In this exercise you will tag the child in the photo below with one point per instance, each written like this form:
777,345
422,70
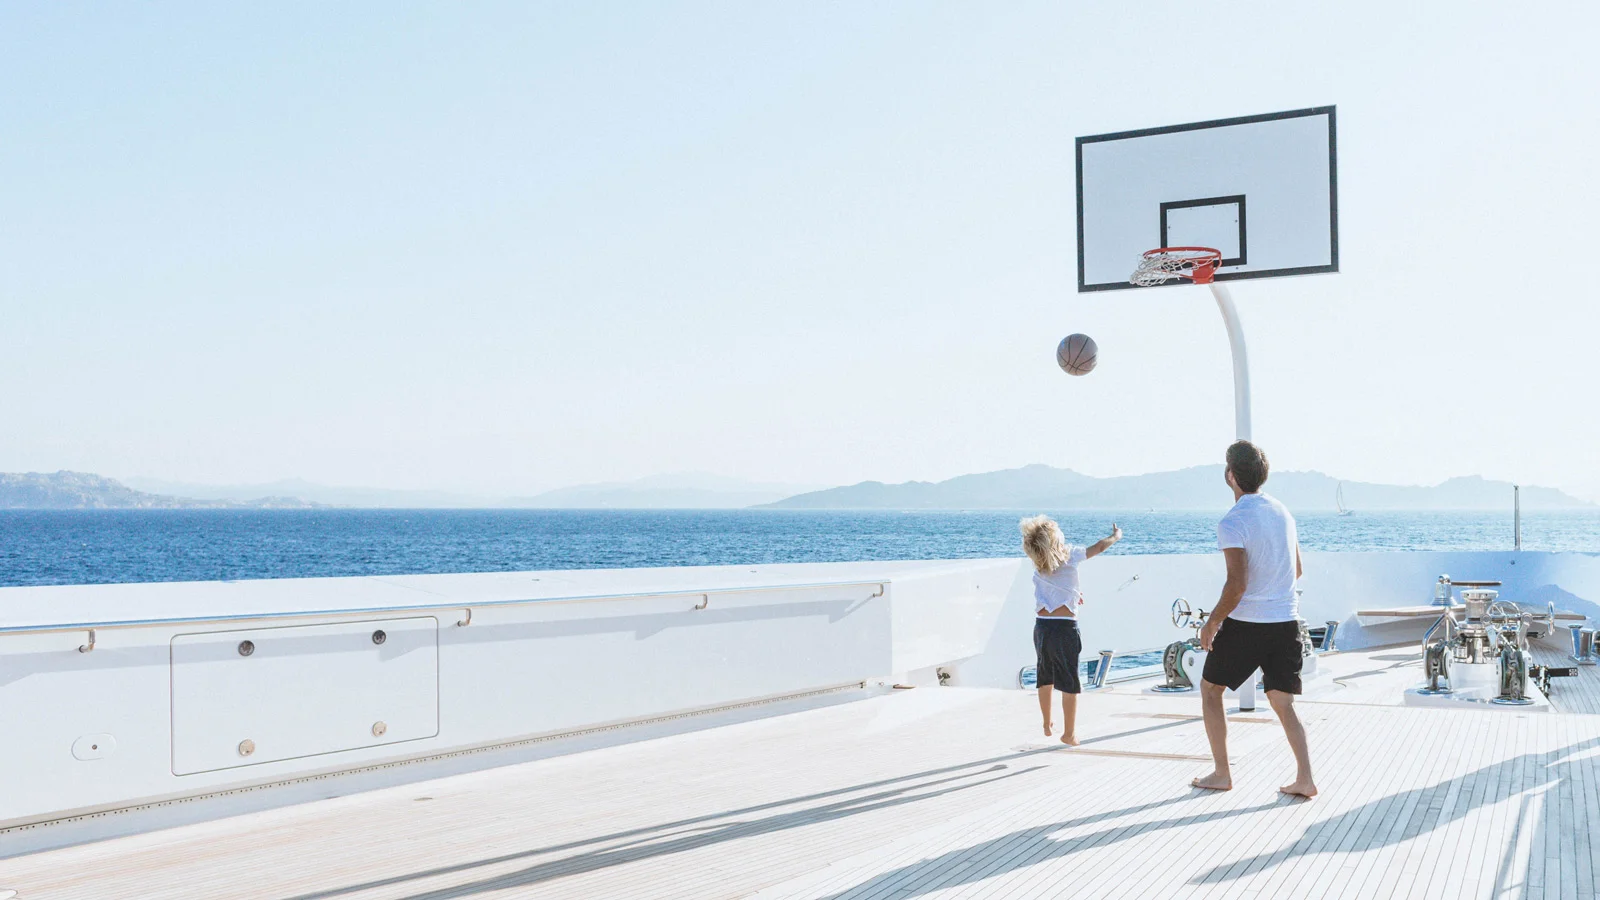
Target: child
1056,599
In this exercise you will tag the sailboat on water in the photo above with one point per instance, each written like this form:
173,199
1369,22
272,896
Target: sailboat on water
1338,499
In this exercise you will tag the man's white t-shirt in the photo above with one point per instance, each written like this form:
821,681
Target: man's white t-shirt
1265,530
1060,588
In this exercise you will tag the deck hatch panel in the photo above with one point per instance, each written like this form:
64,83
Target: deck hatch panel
247,697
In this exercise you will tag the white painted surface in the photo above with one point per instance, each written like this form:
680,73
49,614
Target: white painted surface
1281,166
1241,359
947,616
94,746
301,691
577,656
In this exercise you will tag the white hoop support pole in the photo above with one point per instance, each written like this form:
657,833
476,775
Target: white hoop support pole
1241,360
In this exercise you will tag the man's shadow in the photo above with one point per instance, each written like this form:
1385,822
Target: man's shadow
1031,846
1527,775
1407,814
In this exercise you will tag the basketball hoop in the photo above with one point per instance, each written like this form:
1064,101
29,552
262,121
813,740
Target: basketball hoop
1161,265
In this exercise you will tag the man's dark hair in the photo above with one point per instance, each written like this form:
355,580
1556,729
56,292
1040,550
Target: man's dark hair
1249,466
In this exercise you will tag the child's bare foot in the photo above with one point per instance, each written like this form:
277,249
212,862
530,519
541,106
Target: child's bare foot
1216,781
1047,728
1071,740
1304,789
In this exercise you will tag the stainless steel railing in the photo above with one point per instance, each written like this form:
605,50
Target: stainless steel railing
704,598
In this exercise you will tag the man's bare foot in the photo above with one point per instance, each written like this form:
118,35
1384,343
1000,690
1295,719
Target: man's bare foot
1047,728
1216,781
1304,789
1071,740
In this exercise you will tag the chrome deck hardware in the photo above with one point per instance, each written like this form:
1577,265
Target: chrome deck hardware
1513,675
1436,666
1583,652
1178,676
1491,631
369,611
1441,592
1101,670
1331,627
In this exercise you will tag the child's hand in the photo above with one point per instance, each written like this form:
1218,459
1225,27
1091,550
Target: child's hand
1116,533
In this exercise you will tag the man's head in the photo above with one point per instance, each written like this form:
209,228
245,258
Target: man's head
1247,467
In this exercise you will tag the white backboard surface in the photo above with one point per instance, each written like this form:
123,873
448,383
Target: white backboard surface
1262,189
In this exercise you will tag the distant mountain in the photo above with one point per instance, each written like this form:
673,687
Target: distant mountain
683,491
80,490
1198,487
319,494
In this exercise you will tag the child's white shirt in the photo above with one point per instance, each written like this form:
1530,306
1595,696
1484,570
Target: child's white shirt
1059,588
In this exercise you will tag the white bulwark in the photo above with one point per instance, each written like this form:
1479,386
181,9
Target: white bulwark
1262,189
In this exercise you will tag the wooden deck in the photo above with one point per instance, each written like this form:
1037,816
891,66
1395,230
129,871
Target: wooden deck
1574,695
939,793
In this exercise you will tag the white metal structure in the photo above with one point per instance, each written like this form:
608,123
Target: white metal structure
1263,190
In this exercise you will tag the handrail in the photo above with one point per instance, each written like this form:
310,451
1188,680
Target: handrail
1448,620
704,595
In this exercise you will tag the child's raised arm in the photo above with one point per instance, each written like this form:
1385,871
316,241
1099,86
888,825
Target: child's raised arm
1104,543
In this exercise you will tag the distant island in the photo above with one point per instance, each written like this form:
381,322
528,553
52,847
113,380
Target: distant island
685,491
1037,487
81,490
1197,487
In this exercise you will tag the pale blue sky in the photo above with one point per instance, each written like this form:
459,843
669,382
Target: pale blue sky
504,247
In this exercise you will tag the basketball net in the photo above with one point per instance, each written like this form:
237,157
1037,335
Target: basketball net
1161,265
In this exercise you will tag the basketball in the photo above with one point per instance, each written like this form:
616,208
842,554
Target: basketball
1077,354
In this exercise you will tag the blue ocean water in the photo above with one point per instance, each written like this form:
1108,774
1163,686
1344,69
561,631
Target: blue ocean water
107,546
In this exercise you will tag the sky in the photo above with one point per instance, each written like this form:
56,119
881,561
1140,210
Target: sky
505,247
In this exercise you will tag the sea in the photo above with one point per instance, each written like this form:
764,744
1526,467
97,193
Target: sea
54,547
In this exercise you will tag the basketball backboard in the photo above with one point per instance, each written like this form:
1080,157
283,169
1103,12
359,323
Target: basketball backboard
1261,189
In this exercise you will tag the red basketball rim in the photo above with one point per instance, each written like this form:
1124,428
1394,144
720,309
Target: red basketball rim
1198,264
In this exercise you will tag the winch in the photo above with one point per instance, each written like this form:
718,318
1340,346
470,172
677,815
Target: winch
1491,632
1173,661
1181,657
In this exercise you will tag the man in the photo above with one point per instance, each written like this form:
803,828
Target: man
1255,624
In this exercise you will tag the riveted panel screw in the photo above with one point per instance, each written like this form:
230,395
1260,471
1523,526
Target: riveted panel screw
379,637
247,747
379,729
247,647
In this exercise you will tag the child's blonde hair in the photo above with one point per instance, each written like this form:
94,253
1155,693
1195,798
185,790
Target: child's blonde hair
1042,541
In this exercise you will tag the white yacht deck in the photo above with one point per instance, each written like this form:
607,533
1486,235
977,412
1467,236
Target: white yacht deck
939,792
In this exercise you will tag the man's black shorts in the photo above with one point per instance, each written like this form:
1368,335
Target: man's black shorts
1241,648
1057,643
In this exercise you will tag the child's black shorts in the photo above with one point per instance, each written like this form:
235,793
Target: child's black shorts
1241,648
1057,643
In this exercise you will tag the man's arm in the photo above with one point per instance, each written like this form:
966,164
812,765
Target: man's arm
1232,593
1104,544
